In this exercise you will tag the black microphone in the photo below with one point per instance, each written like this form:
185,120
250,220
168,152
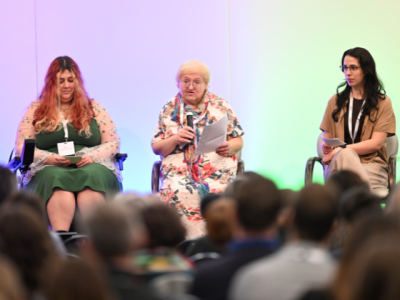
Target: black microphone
189,119
28,154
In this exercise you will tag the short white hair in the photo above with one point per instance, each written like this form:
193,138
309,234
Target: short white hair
194,67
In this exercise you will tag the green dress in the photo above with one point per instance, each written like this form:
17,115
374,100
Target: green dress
94,176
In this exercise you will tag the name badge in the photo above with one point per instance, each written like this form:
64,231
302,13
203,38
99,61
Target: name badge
66,148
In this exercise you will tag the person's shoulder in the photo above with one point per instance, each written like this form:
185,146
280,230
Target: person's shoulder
332,100
95,104
170,102
34,104
386,101
212,267
214,98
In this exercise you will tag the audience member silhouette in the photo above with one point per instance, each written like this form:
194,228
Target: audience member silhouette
257,204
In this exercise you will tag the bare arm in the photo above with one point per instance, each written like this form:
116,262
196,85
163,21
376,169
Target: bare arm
372,145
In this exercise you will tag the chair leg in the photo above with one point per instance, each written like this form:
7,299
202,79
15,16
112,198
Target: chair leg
310,169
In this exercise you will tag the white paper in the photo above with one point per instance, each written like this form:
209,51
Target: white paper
212,136
333,142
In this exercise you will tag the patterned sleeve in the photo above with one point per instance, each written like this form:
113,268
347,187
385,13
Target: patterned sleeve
27,131
234,128
110,142
163,131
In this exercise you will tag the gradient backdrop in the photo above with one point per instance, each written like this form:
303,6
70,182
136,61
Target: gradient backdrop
275,61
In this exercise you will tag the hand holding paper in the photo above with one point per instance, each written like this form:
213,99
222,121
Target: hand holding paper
333,142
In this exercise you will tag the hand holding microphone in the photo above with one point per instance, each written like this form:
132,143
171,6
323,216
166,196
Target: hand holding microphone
185,135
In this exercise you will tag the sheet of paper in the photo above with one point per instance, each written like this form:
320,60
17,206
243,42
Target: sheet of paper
213,136
333,142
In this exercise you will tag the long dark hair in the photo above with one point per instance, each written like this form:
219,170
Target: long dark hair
373,87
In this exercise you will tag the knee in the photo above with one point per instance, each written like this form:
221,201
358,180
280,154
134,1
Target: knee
346,152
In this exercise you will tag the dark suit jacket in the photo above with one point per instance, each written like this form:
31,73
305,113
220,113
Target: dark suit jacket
212,279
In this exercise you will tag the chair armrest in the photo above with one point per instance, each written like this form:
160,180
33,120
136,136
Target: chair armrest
392,171
240,167
155,177
310,169
120,158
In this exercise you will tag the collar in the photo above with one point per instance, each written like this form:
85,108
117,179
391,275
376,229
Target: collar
304,251
253,242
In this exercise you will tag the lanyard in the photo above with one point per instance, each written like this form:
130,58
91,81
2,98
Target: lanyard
351,118
65,122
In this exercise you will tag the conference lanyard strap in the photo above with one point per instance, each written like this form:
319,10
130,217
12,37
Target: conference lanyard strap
351,118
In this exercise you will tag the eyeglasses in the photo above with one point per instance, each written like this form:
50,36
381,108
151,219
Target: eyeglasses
187,83
351,68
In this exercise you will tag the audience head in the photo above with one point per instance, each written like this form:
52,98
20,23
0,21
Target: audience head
11,287
376,271
8,183
315,212
112,230
79,280
344,180
25,240
257,201
219,215
357,202
23,199
194,67
365,234
131,199
206,201
163,225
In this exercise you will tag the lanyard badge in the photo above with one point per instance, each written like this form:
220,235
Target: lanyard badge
66,148
353,136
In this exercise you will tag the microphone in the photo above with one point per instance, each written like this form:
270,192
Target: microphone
27,154
189,119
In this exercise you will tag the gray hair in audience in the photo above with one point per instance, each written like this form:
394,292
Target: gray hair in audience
112,229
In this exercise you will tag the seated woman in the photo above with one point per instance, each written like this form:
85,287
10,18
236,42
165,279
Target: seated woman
362,116
64,112
187,177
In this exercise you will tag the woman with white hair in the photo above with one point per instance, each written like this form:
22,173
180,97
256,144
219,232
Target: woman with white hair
188,177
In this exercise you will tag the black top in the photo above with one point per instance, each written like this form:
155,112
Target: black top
212,279
357,103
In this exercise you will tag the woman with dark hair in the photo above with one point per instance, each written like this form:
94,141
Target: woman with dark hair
65,113
362,116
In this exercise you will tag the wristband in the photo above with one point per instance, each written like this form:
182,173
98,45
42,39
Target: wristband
343,146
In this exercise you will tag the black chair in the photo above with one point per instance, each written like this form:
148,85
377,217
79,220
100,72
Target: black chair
155,173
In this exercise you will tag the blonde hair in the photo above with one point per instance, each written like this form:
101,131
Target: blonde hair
194,67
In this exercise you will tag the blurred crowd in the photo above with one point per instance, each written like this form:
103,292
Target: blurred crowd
336,241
